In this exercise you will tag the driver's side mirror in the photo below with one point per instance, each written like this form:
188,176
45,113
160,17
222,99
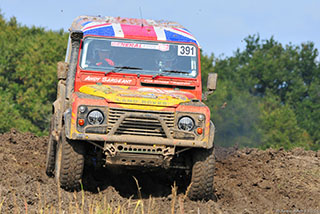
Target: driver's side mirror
212,81
211,85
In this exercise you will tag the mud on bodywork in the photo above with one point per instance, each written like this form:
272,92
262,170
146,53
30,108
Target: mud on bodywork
152,124
132,132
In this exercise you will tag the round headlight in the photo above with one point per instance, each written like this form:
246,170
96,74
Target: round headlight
95,117
186,123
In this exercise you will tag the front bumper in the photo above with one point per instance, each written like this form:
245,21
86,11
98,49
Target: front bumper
140,140
143,127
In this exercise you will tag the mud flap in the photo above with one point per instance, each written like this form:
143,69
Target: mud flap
58,108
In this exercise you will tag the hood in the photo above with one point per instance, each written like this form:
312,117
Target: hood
138,95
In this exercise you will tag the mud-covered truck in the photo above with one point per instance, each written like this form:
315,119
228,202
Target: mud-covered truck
129,94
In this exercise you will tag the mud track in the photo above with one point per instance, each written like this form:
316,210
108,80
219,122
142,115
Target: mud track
246,181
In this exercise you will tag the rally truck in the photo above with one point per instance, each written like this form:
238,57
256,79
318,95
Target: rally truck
130,94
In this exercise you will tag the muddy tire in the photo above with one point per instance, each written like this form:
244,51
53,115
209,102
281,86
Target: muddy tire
201,186
69,163
51,153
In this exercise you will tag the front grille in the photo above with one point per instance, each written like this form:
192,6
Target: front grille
141,126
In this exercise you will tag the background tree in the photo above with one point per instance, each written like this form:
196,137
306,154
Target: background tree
28,75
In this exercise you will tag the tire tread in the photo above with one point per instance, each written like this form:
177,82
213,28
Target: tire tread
72,164
202,187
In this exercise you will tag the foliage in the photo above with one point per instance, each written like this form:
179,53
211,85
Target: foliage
28,75
10,116
275,84
280,127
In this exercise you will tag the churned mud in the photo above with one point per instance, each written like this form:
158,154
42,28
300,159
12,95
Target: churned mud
246,181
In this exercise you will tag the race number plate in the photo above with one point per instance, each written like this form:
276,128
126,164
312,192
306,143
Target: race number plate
186,50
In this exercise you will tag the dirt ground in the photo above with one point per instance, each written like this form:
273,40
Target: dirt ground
246,181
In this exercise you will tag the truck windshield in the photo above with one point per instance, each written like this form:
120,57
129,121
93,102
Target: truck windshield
139,57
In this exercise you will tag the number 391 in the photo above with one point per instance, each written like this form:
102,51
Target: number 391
186,50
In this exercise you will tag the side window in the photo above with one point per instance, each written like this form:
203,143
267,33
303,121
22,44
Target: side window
84,54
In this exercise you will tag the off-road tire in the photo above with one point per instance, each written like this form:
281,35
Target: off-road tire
69,163
201,186
51,153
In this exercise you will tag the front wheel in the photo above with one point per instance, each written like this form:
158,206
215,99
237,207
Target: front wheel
69,163
202,187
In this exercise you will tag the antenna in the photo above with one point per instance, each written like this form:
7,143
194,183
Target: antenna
141,16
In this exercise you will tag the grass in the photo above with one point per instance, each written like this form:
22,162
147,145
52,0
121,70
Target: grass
98,205
1,203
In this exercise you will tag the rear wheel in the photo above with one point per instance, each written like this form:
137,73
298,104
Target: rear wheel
69,163
51,152
201,187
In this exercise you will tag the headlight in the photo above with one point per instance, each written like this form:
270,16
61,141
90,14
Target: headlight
185,123
95,117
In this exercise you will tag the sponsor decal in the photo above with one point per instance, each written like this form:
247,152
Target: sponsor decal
116,80
111,80
161,47
143,101
174,94
150,96
92,79
167,82
123,94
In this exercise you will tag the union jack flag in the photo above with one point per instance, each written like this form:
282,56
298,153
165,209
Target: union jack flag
149,31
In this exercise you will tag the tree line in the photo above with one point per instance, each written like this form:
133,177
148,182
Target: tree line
268,94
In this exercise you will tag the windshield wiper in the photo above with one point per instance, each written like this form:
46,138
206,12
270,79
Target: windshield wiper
161,73
120,68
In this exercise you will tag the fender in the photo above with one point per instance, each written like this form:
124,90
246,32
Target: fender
67,122
211,135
